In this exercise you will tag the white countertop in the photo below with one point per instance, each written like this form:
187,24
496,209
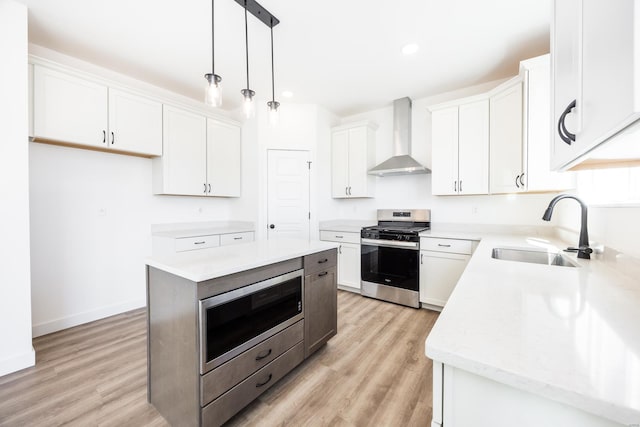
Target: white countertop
182,230
346,225
568,334
206,264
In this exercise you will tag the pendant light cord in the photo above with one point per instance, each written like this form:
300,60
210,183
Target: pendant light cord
213,46
273,85
246,38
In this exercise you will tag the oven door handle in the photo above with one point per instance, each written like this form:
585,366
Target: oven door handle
390,244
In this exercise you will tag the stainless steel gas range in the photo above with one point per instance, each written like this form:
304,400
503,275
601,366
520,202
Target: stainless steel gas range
390,255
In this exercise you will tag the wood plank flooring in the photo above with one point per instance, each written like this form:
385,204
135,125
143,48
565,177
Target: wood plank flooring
373,372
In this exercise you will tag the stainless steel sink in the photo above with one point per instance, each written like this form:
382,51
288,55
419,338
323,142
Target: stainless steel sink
535,257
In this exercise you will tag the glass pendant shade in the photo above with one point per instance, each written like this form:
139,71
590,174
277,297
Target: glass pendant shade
273,112
248,106
213,91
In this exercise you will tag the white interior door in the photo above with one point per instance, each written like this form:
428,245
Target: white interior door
288,194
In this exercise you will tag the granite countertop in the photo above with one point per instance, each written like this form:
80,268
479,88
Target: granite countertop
568,334
206,264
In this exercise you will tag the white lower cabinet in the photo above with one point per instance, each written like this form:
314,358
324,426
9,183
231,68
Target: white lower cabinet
461,399
167,244
348,257
442,262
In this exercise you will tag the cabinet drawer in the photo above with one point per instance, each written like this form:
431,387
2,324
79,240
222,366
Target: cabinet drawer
227,405
320,261
336,236
446,245
223,378
198,242
235,238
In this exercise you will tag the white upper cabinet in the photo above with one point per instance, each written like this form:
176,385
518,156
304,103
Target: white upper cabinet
135,123
595,62
460,148
182,169
70,109
505,128
352,155
224,172
201,156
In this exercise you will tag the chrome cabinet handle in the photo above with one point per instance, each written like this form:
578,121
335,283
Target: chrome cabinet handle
455,186
460,186
339,237
340,249
199,243
346,191
444,246
263,383
517,185
322,261
421,259
113,138
205,188
104,136
565,135
324,273
209,188
237,238
521,180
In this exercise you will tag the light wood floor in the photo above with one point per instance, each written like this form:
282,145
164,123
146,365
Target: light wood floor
373,372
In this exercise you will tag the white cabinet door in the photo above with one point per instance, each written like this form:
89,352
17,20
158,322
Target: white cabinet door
506,133
340,164
444,155
358,176
473,148
68,108
184,153
349,265
224,158
135,123
439,273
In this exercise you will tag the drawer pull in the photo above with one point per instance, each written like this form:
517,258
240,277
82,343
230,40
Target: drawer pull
264,383
444,246
339,237
260,357
324,273
237,238
199,243
322,261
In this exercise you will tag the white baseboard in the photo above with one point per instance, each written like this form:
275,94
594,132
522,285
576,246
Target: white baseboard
349,289
85,317
18,362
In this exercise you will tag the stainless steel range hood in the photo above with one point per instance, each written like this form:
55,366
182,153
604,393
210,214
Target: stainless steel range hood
401,163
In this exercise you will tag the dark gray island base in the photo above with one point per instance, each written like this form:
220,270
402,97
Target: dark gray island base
215,345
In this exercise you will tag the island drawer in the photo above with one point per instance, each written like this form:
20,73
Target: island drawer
198,242
224,377
227,405
454,246
340,237
235,238
320,261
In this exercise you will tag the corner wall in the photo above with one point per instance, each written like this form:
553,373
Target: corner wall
16,351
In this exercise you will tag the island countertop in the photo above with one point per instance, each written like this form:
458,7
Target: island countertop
206,264
568,334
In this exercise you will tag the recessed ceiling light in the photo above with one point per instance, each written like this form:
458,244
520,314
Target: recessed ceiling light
410,49
287,94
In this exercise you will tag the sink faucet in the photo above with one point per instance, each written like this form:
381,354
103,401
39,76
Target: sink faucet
583,244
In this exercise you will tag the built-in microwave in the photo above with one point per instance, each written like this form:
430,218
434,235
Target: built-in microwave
235,321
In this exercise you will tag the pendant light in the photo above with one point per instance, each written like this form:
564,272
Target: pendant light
213,91
273,104
247,93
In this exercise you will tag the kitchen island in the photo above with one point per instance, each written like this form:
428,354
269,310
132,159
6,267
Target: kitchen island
226,323
529,344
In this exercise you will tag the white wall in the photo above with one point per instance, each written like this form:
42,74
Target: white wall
415,191
90,231
16,351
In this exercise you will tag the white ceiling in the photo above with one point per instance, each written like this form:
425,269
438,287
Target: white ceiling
342,54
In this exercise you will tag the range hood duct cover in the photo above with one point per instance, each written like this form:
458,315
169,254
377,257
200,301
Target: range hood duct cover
401,163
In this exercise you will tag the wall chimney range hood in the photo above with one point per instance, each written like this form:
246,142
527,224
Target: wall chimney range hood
401,163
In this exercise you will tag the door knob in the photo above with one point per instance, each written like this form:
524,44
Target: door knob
272,226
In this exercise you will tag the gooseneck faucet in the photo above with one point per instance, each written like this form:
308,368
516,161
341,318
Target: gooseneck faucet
583,244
